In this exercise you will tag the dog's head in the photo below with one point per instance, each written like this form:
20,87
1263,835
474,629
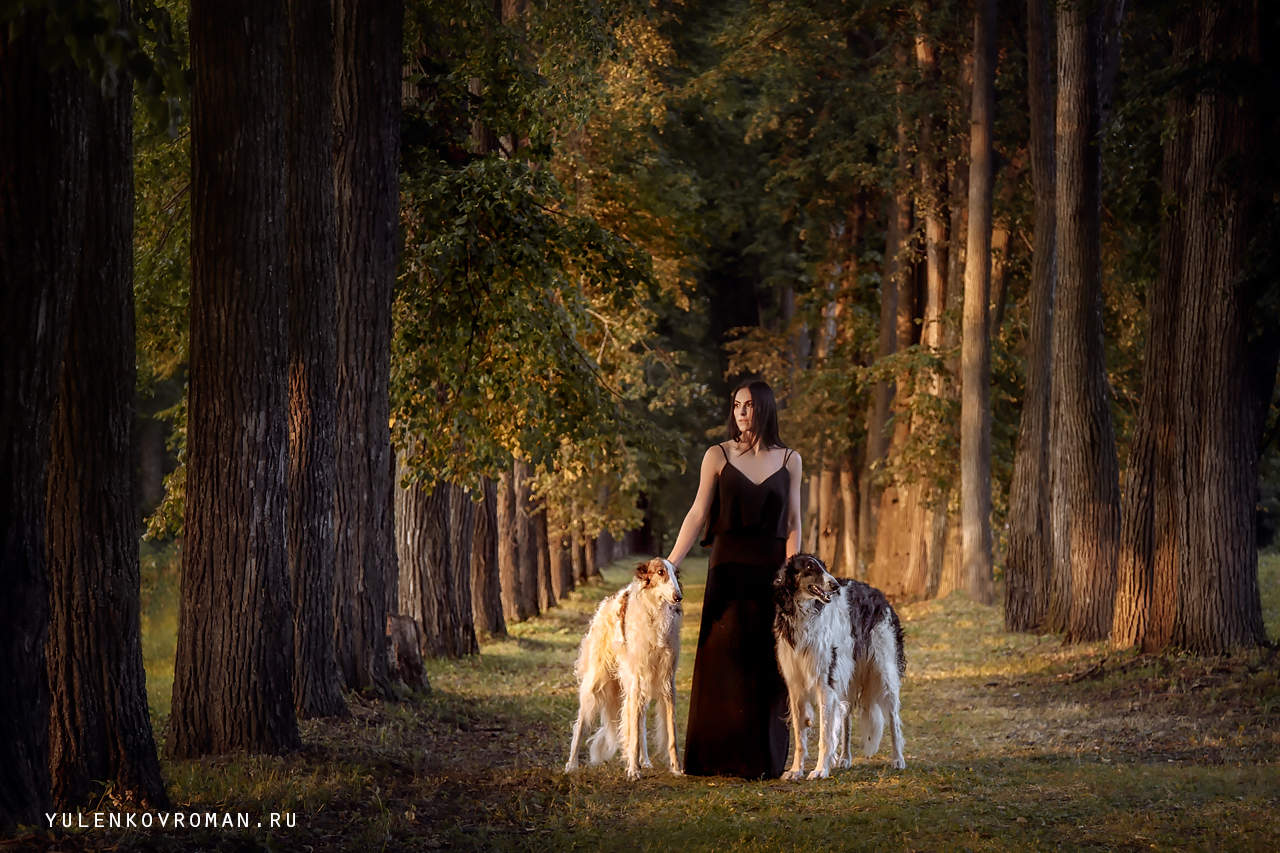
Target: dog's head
662,578
804,577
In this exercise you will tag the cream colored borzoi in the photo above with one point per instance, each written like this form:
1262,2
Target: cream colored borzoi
627,659
839,646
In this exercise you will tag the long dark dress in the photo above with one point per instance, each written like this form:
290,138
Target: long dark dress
738,705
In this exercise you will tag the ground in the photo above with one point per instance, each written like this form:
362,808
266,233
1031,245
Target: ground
1013,741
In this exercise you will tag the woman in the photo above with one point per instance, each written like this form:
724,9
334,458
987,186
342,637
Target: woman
749,490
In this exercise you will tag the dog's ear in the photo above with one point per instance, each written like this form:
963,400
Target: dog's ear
786,575
642,571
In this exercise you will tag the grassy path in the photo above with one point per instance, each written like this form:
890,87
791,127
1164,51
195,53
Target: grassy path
1012,742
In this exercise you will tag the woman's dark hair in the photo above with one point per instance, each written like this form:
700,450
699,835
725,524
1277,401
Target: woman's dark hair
764,414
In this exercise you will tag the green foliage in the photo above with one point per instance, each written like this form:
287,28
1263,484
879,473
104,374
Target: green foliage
147,48
525,314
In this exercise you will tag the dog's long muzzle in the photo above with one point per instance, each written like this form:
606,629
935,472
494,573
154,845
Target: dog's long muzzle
820,593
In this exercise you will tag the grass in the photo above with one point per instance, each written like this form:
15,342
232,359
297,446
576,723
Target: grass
1013,741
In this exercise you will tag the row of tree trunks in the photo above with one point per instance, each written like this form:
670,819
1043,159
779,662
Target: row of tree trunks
233,676
1030,532
100,728
1188,570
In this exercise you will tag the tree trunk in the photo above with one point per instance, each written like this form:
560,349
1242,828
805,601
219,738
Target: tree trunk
1085,498
100,729
944,541
526,551
1030,556
462,523
233,675
883,535
432,550
42,173
975,356
486,586
513,609
828,510
578,558
1189,572
547,597
590,565
313,358
848,564
558,549
813,523
367,37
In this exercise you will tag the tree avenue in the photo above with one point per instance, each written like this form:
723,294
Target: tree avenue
446,301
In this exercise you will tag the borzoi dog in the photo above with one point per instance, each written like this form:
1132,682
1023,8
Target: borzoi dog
839,644
628,658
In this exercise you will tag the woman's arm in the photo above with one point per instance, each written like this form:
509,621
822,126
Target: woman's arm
793,506
697,515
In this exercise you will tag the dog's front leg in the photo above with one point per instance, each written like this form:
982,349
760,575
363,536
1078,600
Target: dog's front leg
798,730
827,719
631,708
645,761
667,708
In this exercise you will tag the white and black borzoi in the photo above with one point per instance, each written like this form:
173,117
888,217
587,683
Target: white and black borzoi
839,646
627,659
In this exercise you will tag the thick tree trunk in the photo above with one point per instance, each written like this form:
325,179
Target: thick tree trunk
100,729
462,523
42,173
432,550
313,358
1085,498
975,348
1030,556
367,36
486,585
233,676
1188,574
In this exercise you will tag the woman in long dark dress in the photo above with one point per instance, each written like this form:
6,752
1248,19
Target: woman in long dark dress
749,491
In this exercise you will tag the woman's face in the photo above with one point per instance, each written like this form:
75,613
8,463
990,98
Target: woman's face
743,409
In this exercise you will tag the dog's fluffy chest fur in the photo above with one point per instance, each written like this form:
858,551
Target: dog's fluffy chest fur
636,607
814,641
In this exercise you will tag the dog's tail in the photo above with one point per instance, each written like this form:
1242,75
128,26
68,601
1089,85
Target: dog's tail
897,641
